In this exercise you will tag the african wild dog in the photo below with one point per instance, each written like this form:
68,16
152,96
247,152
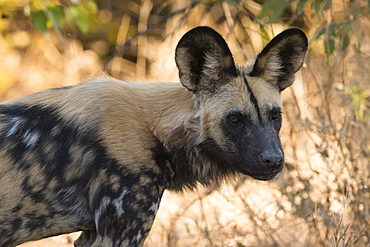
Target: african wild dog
97,157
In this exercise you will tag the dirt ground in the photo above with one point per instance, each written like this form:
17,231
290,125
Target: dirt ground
59,241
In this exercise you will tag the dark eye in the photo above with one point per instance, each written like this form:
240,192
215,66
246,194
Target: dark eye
234,119
275,114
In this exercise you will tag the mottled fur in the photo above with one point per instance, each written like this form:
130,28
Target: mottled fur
97,157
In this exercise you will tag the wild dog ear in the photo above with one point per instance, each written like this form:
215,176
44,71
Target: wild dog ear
281,58
204,60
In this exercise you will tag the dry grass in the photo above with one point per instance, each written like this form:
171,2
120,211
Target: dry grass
322,199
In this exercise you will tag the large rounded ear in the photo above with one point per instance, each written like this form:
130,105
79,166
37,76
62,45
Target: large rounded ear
204,60
281,58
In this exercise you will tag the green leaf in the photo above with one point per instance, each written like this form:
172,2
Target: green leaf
320,32
79,17
345,42
265,36
56,15
231,2
315,5
327,4
330,39
40,20
300,6
272,10
92,7
359,103
357,11
321,5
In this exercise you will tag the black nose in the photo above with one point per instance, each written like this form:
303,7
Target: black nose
273,160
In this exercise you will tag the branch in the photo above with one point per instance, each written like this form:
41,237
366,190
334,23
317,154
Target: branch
122,47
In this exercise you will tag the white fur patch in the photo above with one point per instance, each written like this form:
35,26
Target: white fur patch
154,208
139,236
105,201
118,203
15,122
274,67
30,139
211,66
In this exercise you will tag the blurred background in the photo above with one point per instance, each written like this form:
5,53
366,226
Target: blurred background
321,199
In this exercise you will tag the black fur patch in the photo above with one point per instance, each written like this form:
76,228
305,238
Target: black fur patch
31,129
253,98
176,171
179,174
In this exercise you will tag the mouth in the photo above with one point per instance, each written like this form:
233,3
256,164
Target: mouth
264,176
258,171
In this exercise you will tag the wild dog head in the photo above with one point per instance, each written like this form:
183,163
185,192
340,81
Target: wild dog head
239,107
